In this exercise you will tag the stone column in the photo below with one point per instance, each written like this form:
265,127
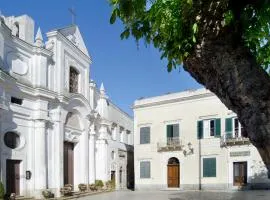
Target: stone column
40,157
102,153
58,155
92,158
84,153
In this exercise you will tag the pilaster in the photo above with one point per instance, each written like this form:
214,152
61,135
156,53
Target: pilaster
40,157
92,158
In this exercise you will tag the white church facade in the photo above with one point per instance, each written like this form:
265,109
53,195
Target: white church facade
56,126
191,141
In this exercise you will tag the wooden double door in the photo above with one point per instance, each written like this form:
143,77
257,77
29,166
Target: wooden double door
13,176
68,163
173,175
239,173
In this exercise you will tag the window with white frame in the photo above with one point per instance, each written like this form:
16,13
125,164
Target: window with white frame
233,127
209,128
73,80
172,133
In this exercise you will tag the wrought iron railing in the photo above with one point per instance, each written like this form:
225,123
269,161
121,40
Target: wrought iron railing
172,144
229,140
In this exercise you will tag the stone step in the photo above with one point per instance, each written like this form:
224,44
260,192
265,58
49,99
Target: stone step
23,198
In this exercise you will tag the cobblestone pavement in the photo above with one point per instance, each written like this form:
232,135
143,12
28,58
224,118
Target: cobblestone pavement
182,195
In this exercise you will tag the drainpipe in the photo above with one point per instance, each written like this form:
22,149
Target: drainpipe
200,175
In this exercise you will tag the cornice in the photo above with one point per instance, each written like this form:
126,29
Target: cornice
34,49
70,44
174,100
5,28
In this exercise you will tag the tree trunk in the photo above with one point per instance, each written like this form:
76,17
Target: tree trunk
227,68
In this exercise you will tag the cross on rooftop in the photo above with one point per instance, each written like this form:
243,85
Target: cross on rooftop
73,14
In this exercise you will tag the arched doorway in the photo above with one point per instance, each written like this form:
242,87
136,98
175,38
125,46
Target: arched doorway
72,132
173,173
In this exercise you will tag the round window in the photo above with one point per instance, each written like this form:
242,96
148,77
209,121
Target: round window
12,140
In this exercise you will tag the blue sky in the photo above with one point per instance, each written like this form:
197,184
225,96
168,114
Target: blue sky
128,72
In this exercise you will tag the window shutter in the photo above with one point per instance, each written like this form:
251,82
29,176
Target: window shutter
228,126
145,169
141,136
217,131
145,135
142,170
176,130
169,131
209,167
200,129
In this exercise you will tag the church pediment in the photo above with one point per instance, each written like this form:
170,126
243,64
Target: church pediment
72,33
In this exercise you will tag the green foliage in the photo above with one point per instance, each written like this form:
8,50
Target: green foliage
172,26
257,35
2,191
167,24
99,183
47,194
110,184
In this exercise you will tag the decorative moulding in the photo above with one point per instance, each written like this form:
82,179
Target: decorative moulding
17,64
71,136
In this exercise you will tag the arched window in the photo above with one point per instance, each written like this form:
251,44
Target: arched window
173,161
12,140
17,29
73,80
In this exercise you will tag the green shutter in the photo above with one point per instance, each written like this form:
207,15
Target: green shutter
228,126
217,132
176,130
209,167
169,131
200,129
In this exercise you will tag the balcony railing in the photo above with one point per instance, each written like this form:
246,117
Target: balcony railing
172,144
230,140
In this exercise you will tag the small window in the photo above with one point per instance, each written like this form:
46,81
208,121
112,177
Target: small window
145,169
209,167
16,100
73,80
144,135
113,155
12,140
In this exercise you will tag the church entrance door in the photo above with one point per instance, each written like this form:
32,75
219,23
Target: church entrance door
68,163
13,176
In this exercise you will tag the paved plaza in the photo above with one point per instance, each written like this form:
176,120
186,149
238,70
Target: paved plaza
182,195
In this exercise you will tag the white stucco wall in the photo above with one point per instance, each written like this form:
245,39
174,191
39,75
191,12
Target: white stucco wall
186,108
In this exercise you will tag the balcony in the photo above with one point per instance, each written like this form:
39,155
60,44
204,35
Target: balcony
230,140
172,144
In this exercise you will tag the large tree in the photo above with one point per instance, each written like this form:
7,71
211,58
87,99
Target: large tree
223,44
